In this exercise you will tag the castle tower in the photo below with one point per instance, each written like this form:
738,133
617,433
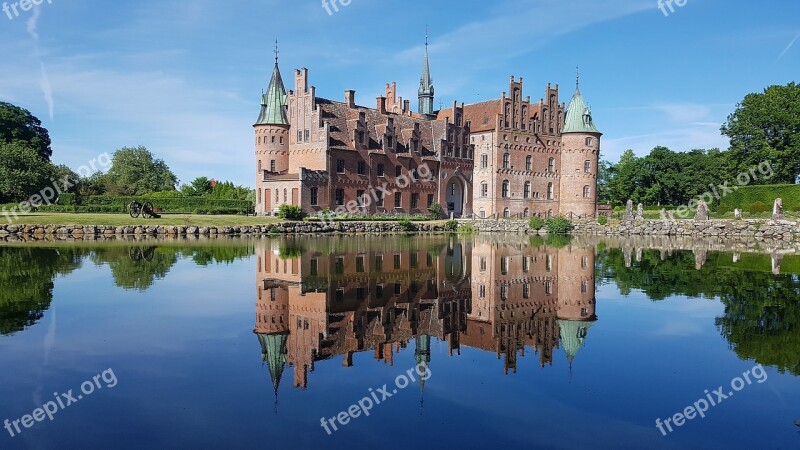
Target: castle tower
580,150
426,91
576,297
272,138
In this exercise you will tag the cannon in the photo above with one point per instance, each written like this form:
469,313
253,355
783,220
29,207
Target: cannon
136,209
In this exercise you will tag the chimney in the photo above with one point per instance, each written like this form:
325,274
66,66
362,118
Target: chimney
406,106
381,105
350,98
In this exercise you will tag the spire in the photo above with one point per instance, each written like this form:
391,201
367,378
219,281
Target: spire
577,79
273,353
422,354
273,102
579,117
426,91
573,336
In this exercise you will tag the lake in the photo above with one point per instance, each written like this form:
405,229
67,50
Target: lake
485,341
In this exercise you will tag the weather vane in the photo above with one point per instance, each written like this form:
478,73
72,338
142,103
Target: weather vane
276,51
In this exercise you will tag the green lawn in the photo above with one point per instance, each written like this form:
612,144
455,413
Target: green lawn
125,220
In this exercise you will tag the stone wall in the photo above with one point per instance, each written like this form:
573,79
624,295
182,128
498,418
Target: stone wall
785,230
81,231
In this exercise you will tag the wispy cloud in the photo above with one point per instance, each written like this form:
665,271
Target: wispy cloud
44,81
788,47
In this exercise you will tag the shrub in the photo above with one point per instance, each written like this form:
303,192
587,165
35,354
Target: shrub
536,223
67,199
451,225
758,207
602,220
436,211
290,212
559,225
405,224
466,229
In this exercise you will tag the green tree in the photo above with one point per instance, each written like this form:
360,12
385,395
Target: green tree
22,172
766,127
200,187
134,171
18,125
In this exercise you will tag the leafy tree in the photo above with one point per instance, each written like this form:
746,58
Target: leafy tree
766,126
200,187
605,171
134,171
22,172
18,125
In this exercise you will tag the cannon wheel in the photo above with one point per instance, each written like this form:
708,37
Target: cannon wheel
147,211
134,209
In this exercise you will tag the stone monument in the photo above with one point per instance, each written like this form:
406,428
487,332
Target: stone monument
629,210
777,210
702,211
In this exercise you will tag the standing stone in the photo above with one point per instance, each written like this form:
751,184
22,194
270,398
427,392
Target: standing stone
640,212
702,211
737,214
663,214
629,210
777,210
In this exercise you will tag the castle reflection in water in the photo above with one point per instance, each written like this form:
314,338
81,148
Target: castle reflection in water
332,297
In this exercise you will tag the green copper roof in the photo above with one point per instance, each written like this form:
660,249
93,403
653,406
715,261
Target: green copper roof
573,336
579,116
273,102
273,352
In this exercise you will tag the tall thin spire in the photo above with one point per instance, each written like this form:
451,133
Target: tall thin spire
426,91
577,78
276,52
273,101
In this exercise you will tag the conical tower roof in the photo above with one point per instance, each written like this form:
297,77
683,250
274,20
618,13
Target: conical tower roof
579,116
273,102
573,336
273,353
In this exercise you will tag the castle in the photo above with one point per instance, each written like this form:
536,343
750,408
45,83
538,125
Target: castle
506,157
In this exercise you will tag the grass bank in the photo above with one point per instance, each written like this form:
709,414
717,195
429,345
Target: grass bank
118,220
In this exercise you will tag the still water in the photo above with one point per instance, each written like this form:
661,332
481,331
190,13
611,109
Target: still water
398,342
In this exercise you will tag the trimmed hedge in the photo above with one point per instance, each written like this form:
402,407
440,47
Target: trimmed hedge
761,198
176,205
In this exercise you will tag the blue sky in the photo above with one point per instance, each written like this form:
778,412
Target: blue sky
184,77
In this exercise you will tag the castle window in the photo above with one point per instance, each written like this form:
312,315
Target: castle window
285,195
551,165
307,135
273,139
484,189
527,191
503,293
506,160
379,199
586,192
584,262
584,287
381,171
398,200
281,139
414,201
588,142
362,168
550,191
259,165
378,263
339,166
483,291
526,291
398,171
529,163
453,189
484,161
360,199
273,166
483,264
299,136
430,200
314,196
339,197
259,196
506,213
526,264
587,166
526,213
506,188
548,287
483,213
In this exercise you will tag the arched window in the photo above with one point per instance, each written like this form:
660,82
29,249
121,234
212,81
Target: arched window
527,191
589,142
484,189
506,213
586,192
483,213
506,188
550,214
506,160
551,165
550,191
529,163
587,166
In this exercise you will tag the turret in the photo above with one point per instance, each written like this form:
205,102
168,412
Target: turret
271,138
580,150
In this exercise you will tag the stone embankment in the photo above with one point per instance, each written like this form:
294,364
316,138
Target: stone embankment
89,231
785,230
